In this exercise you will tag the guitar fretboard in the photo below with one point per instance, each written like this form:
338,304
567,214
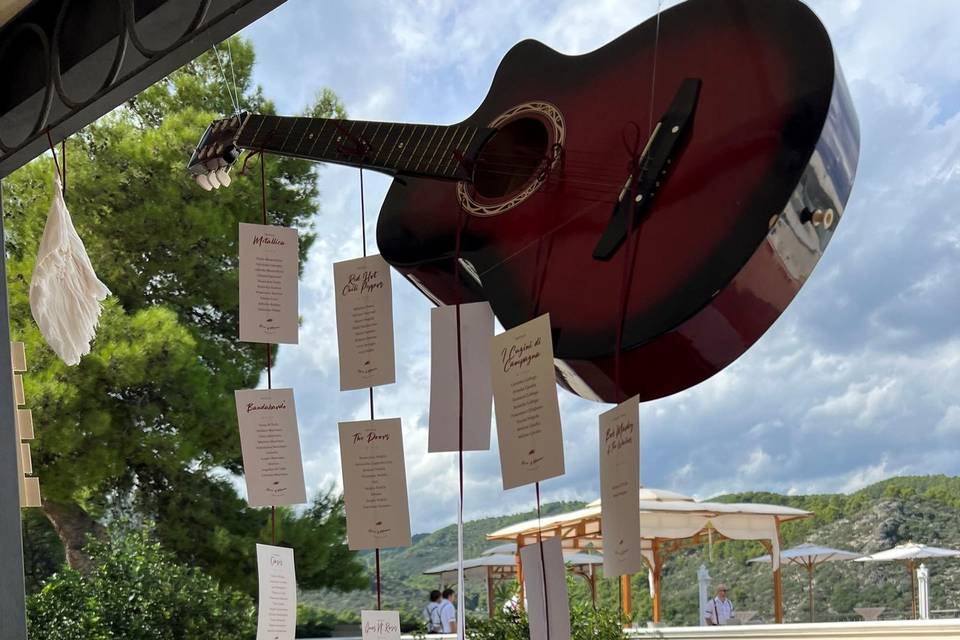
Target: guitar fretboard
405,149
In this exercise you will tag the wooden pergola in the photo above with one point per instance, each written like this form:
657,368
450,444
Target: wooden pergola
669,522
500,564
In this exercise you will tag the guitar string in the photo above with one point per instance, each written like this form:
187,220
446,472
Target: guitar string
429,154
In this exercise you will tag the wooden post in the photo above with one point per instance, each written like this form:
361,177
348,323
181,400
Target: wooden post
912,568
490,603
519,578
626,596
777,597
810,588
593,587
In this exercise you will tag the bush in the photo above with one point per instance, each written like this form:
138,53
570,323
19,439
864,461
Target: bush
586,623
138,592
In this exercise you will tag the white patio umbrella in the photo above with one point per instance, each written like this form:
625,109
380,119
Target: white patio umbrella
809,556
909,554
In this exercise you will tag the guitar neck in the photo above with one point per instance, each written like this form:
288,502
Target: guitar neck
433,151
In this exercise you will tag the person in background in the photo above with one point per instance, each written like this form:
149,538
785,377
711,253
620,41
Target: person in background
448,612
720,608
431,613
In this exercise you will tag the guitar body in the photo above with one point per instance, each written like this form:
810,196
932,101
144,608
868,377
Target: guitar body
725,246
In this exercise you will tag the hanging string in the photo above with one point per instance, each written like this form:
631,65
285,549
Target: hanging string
233,74
543,564
461,617
363,241
263,214
234,101
56,163
630,248
63,156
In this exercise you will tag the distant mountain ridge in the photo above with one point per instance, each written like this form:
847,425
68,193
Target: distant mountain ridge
919,508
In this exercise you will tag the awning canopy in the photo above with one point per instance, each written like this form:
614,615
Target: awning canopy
910,551
505,564
668,522
664,516
807,554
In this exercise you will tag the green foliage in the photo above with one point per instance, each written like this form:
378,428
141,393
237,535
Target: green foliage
511,624
404,587
146,422
586,623
923,509
43,554
314,622
138,592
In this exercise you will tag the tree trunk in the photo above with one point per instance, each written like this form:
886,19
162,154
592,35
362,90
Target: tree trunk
73,524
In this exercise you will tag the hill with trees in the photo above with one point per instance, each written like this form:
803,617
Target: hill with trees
922,509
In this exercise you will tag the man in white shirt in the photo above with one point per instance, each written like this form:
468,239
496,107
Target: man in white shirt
719,609
431,613
448,612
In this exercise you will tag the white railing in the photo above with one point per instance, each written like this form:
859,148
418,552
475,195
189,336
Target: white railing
883,630
939,628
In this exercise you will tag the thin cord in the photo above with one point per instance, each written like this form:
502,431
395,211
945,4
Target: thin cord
363,237
363,217
543,565
226,85
459,300
379,606
653,76
53,150
263,217
233,74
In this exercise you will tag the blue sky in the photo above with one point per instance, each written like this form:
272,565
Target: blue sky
856,382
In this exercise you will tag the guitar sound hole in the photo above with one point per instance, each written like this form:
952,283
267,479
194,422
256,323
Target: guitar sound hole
512,157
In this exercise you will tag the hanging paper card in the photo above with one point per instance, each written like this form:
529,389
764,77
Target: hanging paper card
364,322
277,609
270,443
380,625
476,330
269,268
554,609
374,484
619,488
525,396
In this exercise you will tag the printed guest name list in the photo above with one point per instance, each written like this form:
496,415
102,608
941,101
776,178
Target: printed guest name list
620,488
270,443
364,322
525,399
269,267
374,484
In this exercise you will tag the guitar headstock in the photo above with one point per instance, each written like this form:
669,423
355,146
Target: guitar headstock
216,153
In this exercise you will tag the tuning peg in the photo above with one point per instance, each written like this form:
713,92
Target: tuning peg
223,177
204,182
212,177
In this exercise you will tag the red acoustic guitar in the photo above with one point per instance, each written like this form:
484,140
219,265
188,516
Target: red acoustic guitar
666,195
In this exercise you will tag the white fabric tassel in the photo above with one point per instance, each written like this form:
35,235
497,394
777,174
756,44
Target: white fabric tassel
65,294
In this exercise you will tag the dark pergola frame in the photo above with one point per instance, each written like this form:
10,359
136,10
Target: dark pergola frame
135,66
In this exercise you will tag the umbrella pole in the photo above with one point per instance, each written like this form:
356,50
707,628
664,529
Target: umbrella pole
810,588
